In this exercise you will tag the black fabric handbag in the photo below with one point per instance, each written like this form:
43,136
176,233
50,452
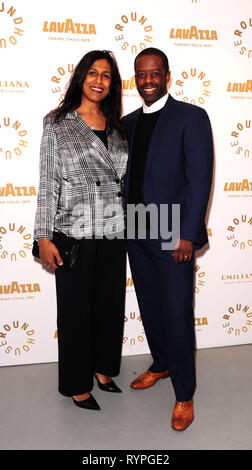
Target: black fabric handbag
67,246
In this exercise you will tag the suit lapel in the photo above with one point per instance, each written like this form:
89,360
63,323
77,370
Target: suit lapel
130,135
165,119
81,127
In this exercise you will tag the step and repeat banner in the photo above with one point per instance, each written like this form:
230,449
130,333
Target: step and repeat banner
209,46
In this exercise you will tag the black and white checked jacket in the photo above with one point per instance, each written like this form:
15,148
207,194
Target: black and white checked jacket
81,182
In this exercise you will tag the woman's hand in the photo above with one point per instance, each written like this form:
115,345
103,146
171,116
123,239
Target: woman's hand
48,252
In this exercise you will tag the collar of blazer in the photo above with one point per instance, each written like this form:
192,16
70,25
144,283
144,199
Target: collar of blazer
113,140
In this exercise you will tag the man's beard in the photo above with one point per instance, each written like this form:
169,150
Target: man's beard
160,91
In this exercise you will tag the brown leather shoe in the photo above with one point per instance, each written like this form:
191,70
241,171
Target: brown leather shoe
147,379
182,415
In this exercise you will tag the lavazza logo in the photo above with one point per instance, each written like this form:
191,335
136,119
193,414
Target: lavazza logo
242,139
134,32
15,242
11,25
69,30
193,86
59,81
237,320
13,138
243,38
239,233
129,88
16,338
240,90
19,290
200,323
130,285
238,188
12,193
193,36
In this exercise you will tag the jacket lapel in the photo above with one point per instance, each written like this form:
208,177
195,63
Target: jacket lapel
165,119
130,136
81,127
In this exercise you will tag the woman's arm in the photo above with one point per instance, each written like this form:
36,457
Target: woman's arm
48,195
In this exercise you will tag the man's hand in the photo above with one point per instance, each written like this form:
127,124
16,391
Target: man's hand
183,251
48,252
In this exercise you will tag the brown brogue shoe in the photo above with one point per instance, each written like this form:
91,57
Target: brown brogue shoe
182,415
147,379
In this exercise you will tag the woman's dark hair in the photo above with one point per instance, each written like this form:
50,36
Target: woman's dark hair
111,106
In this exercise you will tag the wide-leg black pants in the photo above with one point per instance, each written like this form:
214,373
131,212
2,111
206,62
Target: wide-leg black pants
90,314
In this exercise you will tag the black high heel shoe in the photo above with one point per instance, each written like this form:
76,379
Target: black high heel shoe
89,404
109,386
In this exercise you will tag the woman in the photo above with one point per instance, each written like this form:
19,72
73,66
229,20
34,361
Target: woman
83,161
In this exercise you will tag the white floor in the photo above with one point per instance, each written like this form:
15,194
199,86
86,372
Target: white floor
34,416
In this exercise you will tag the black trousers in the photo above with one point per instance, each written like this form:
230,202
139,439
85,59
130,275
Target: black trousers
90,314
164,291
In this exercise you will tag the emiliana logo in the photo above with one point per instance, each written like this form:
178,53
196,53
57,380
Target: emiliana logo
241,139
236,278
13,138
16,338
133,33
13,86
239,233
237,320
193,36
193,86
11,25
242,38
60,80
15,242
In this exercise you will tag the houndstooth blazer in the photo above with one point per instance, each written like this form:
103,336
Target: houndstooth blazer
81,182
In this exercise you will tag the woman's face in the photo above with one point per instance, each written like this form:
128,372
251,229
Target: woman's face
97,83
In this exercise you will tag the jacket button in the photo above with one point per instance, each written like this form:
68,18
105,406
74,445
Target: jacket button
117,181
119,194
98,183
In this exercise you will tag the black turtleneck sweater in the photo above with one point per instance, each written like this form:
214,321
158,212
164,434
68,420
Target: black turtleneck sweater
144,129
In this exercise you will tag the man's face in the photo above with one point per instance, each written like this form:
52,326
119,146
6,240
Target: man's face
151,79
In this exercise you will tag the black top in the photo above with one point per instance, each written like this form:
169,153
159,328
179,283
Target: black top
103,136
144,129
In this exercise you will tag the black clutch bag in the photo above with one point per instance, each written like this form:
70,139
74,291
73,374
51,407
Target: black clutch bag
67,246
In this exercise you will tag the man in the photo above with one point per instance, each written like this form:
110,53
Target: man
170,162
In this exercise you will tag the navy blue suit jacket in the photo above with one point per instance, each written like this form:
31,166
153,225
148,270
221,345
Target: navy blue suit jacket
179,164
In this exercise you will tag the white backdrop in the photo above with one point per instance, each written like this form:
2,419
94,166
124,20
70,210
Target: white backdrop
209,46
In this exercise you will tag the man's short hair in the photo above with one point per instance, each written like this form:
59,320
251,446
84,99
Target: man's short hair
154,51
